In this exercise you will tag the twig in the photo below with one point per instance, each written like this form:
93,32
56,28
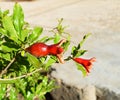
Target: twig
11,80
5,70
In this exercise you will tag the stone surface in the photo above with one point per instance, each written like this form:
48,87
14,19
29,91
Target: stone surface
88,93
69,92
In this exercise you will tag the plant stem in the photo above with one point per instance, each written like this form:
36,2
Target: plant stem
12,80
5,70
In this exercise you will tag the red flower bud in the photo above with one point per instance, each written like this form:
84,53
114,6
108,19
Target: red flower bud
41,49
86,63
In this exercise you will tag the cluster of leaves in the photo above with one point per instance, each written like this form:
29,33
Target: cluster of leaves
21,72
24,74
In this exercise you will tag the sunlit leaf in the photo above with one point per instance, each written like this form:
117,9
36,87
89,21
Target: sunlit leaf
5,13
8,26
35,34
13,94
33,60
3,88
82,69
5,56
56,38
18,18
24,34
49,62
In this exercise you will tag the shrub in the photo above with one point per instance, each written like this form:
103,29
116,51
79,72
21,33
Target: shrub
26,57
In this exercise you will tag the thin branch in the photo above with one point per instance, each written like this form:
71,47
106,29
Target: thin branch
5,70
11,80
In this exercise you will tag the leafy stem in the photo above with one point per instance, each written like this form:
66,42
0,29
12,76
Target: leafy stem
5,70
12,80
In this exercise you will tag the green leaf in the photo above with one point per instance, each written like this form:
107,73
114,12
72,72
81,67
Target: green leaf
80,53
33,60
44,39
82,69
21,84
30,95
66,45
44,87
24,34
83,40
8,47
3,88
8,26
76,52
18,18
3,31
49,62
5,56
35,34
5,13
22,53
56,38
43,59
13,94
73,51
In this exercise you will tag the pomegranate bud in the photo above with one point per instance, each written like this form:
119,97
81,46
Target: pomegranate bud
38,49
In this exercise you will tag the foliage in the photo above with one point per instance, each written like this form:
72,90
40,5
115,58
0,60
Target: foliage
21,72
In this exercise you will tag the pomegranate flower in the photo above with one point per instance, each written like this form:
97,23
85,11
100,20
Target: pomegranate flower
42,49
86,63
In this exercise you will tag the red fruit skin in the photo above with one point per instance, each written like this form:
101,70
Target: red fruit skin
41,49
38,49
55,50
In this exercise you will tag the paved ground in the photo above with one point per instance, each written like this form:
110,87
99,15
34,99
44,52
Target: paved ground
101,18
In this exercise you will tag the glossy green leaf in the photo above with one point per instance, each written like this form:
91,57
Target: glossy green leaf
8,26
33,60
18,18
49,62
24,34
82,69
35,34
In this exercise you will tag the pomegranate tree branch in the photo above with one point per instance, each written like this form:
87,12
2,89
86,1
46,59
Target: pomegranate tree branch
5,70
